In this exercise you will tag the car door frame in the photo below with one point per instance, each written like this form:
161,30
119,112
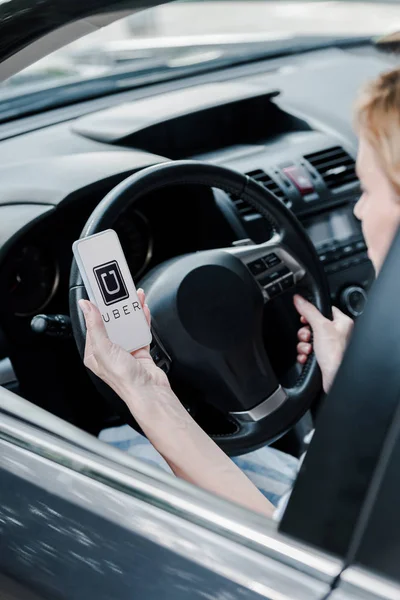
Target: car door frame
373,557
356,583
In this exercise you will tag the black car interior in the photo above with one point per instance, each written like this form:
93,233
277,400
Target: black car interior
284,123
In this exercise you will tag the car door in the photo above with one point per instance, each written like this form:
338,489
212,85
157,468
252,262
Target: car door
80,520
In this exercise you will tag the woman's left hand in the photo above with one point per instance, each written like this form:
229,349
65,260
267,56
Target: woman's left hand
330,338
121,370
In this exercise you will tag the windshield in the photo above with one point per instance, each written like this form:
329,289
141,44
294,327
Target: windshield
186,35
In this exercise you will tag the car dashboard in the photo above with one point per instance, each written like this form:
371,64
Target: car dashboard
285,122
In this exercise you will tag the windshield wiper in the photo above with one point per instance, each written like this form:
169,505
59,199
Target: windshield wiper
22,100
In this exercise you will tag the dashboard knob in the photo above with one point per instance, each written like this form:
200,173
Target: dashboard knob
353,299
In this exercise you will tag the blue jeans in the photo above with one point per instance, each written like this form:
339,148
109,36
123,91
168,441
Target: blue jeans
272,472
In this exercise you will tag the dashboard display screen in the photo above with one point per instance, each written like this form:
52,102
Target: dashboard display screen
337,225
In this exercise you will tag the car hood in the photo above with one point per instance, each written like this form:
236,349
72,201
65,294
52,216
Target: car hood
32,29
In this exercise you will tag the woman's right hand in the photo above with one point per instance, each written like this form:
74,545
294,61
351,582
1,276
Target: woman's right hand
126,373
329,338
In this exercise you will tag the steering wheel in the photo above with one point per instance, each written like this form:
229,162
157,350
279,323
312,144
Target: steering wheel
207,307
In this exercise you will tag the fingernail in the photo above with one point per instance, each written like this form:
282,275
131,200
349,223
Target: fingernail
141,290
298,300
85,306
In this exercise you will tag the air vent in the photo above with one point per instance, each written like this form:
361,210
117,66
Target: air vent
335,165
261,177
247,211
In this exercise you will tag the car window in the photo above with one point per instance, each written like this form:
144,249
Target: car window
185,34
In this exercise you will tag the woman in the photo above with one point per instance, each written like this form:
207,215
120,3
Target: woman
190,453
378,209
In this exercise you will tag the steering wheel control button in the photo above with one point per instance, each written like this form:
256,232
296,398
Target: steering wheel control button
271,261
274,276
257,267
273,290
287,282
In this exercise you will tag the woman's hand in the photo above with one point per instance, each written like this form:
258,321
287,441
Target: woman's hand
330,338
122,371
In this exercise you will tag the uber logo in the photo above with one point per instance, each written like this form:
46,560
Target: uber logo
110,281
124,310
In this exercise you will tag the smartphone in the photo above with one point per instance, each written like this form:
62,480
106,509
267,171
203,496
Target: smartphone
109,284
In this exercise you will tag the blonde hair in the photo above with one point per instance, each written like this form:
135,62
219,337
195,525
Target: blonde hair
378,119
